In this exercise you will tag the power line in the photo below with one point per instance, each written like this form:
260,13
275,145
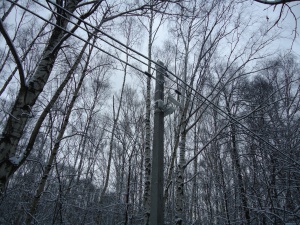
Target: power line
104,33
183,84
80,38
100,31
93,34
253,134
109,36
96,36
92,26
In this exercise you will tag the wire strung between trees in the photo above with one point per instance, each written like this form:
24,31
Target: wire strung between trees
104,33
109,36
82,39
95,28
183,84
96,36
234,120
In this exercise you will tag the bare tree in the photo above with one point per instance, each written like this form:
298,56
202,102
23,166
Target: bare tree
152,31
27,97
56,146
31,89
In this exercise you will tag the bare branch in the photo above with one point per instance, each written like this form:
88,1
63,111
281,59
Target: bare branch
9,10
275,2
15,54
296,24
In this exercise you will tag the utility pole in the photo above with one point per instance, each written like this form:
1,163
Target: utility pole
157,173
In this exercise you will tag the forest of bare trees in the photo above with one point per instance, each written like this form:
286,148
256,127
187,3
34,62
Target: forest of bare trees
77,103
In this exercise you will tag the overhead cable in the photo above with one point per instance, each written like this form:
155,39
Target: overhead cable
183,84
80,38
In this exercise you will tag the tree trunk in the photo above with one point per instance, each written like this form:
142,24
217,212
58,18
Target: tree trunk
25,100
115,120
179,181
147,182
54,151
237,166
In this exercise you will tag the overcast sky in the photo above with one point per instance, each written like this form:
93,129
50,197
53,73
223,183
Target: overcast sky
287,24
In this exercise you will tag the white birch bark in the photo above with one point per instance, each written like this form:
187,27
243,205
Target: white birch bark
147,182
179,181
25,100
183,122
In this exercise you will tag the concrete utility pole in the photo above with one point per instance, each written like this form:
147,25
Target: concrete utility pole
157,173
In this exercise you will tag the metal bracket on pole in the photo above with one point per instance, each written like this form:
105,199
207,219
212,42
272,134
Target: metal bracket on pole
175,102
165,108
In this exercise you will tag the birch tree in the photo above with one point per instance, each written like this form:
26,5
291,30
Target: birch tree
275,92
31,88
205,35
132,39
27,96
152,31
219,23
56,146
